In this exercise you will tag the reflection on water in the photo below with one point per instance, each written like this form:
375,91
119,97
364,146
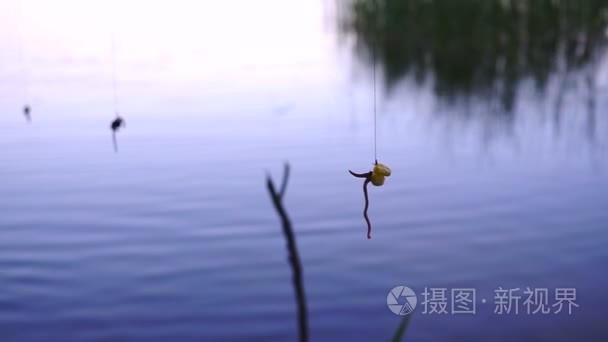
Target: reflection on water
491,51
478,46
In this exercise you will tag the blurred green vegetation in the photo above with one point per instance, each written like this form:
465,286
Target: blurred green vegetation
480,47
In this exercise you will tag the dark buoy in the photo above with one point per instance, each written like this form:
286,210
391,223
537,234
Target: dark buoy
26,112
116,124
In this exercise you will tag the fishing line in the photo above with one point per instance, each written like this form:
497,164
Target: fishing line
375,111
118,122
113,52
23,63
24,71
375,38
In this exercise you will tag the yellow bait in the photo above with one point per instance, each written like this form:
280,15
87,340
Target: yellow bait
378,173
377,179
382,169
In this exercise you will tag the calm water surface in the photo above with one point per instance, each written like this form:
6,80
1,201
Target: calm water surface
175,236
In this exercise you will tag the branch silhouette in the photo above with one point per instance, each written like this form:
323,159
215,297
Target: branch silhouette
292,250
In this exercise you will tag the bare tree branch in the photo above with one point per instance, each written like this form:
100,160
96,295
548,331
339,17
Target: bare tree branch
292,250
285,179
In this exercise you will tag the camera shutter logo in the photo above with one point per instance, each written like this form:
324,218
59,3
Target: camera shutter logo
401,300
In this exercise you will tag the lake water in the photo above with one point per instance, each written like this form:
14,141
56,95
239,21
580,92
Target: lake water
175,237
